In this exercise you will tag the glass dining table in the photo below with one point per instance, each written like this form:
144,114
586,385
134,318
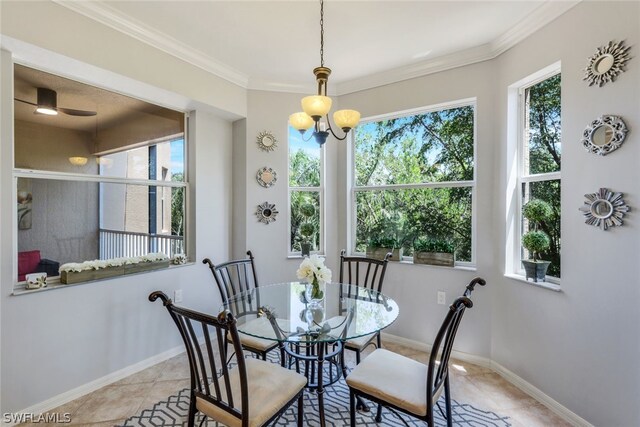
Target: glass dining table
311,333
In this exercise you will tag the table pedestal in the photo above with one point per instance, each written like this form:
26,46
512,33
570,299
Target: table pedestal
311,356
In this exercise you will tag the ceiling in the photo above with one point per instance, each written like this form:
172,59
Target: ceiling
275,44
112,108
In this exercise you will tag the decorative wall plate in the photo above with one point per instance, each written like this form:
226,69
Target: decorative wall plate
604,135
266,213
604,209
605,65
266,141
266,177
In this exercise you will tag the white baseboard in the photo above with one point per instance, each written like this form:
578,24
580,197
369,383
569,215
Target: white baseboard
94,385
564,413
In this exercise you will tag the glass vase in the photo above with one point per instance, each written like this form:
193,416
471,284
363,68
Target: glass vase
314,292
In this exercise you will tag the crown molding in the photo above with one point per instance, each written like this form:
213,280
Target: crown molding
107,15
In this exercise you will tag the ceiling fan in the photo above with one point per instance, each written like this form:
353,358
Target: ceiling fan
48,104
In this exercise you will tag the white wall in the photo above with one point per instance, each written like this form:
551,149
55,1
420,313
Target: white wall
580,346
54,341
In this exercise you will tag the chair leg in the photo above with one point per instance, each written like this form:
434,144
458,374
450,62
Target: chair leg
357,357
301,409
352,407
378,340
379,413
447,399
192,410
283,359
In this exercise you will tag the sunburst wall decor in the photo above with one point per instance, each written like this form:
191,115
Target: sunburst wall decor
604,209
266,213
605,65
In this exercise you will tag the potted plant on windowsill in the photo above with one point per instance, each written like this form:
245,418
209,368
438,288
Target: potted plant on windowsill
379,247
536,241
434,252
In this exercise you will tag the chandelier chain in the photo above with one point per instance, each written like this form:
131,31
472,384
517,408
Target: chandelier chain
321,33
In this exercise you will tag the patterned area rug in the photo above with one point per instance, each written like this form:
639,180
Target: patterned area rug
173,412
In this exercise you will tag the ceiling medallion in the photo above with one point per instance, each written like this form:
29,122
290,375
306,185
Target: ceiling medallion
266,141
605,65
604,209
266,213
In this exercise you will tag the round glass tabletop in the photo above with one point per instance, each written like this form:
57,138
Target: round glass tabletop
286,312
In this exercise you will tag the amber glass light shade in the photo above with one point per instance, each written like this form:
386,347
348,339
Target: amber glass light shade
346,119
316,105
300,121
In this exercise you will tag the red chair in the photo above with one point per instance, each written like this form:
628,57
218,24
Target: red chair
30,262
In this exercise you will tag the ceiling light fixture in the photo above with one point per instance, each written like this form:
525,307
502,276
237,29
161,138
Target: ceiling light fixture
317,106
78,161
47,102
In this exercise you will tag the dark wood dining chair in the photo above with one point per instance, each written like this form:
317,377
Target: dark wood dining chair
232,278
403,385
368,273
251,393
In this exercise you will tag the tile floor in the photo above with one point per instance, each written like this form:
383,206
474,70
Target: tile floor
470,383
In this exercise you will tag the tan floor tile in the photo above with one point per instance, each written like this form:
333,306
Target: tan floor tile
160,390
535,416
176,368
466,368
148,375
111,403
104,424
503,394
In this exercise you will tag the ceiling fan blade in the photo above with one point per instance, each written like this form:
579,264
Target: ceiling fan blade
72,112
26,102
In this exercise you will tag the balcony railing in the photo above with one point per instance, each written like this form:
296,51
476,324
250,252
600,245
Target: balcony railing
118,244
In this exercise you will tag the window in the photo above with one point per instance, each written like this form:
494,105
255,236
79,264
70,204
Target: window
414,179
539,157
103,186
306,194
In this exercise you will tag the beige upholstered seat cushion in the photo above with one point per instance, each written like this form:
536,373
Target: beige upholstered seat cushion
359,342
270,387
393,378
258,326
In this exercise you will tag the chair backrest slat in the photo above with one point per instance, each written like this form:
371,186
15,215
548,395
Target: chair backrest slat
373,271
233,278
214,383
438,368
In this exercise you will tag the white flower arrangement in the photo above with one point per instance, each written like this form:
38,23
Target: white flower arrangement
313,269
114,262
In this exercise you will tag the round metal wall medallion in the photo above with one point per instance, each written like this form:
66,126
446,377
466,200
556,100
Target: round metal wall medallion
604,135
266,177
266,213
266,141
604,209
605,65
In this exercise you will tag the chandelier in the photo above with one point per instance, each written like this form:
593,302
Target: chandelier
317,106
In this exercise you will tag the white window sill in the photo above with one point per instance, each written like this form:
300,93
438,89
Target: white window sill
299,256
544,285
54,282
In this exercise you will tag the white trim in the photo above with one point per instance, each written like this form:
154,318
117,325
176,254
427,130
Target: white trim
66,176
101,12
105,14
96,384
485,362
352,191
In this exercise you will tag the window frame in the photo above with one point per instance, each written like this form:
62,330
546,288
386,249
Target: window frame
20,286
354,189
522,178
321,199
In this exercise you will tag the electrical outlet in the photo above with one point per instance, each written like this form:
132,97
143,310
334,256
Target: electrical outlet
442,298
177,295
